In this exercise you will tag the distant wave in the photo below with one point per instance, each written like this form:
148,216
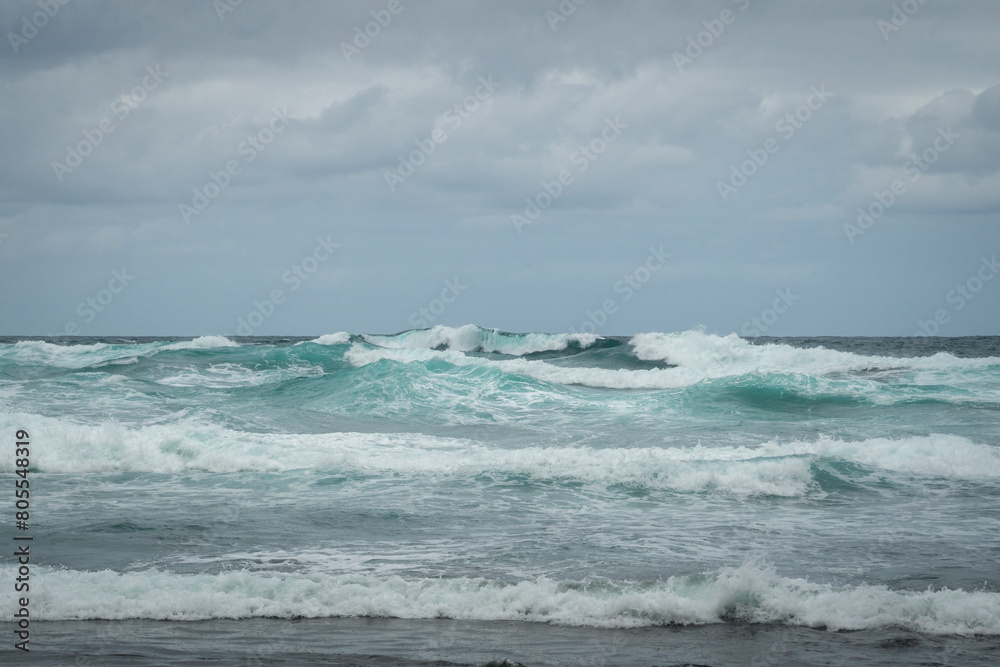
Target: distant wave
458,359
706,355
82,355
42,353
732,355
471,338
751,593
694,357
202,343
332,339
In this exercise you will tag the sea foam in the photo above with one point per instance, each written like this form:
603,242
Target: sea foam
471,338
202,343
768,469
694,356
752,593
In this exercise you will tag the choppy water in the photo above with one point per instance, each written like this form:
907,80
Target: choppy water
471,476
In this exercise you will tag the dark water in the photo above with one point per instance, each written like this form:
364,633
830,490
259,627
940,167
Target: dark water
389,642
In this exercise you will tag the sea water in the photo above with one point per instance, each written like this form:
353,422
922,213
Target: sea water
465,495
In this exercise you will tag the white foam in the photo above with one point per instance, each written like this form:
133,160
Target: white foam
936,455
750,593
68,356
52,348
696,357
190,445
769,469
361,355
470,338
122,361
83,355
718,356
235,375
202,343
331,339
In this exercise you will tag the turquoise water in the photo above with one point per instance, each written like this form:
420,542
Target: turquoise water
468,475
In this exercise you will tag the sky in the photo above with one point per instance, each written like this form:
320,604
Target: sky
780,168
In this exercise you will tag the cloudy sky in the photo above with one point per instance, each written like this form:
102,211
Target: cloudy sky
781,167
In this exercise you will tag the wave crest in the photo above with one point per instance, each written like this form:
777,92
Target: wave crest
751,593
202,343
769,469
471,338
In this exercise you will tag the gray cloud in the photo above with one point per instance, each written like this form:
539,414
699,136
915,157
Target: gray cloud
352,120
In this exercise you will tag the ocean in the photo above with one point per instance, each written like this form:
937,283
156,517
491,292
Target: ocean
465,495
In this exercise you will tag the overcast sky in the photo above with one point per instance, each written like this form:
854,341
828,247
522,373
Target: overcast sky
173,168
